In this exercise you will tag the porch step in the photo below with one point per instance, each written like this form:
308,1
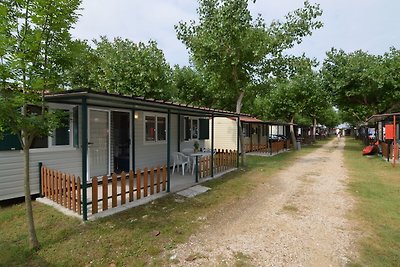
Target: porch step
193,191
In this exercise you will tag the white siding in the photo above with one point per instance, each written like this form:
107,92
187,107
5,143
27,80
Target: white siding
12,169
225,134
152,155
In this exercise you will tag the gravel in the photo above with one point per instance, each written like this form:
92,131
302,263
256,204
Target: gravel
298,218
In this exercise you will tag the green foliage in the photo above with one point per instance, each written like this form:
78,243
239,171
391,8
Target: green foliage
301,95
32,61
37,37
362,84
122,66
191,87
234,51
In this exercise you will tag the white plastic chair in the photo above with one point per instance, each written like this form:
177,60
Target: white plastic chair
182,160
189,152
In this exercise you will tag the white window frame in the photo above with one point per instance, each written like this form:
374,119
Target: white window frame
50,146
155,115
191,119
70,131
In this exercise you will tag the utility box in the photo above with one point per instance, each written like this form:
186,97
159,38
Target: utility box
389,131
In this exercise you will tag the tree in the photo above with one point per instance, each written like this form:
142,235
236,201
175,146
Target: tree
83,73
362,84
300,94
36,35
191,87
233,50
122,66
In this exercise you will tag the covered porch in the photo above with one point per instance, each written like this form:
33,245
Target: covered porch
383,130
130,142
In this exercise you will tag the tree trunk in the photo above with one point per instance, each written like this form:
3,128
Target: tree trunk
26,144
33,241
314,129
241,137
292,135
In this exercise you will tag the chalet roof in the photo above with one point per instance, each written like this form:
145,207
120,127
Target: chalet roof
105,99
381,117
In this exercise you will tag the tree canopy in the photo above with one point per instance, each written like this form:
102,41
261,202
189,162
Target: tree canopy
122,66
362,84
234,50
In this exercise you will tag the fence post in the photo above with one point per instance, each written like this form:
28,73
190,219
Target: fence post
94,195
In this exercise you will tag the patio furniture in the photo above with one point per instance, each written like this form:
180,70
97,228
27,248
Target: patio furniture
196,156
182,160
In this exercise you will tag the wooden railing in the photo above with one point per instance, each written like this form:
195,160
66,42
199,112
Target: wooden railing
223,160
385,150
127,187
65,189
277,146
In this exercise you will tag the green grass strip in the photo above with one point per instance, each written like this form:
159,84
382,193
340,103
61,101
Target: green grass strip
376,186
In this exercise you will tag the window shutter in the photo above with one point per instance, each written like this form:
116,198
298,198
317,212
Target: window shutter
182,128
204,129
75,126
10,142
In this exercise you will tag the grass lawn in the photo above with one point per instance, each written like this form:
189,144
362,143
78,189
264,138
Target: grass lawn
376,186
137,237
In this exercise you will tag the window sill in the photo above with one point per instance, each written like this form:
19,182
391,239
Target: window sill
148,143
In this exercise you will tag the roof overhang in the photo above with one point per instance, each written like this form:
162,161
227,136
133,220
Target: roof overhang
101,99
381,117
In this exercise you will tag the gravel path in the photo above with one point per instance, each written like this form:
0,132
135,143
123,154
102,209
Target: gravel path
299,218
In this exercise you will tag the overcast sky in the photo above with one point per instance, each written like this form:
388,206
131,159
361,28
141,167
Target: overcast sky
370,25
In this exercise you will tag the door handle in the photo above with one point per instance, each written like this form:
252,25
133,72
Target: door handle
90,143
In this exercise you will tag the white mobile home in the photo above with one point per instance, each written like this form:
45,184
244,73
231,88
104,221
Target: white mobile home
105,134
258,135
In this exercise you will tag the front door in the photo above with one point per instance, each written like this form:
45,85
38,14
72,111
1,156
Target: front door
98,149
121,141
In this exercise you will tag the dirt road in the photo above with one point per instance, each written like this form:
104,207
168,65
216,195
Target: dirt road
299,218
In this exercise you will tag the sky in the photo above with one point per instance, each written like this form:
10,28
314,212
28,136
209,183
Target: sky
370,25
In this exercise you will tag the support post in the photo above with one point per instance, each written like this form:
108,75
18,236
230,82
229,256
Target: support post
169,151
394,141
40,179
84,156
133,141
179,133
238,142
196,168
266,137
212,145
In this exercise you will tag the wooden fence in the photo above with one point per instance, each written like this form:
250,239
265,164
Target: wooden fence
274,147
127,187
385,150
223,160
65,189
277,146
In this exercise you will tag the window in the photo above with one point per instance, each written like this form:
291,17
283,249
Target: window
264,130
246,130
155,128
60,136
191,128
161,129
150,122
42,141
